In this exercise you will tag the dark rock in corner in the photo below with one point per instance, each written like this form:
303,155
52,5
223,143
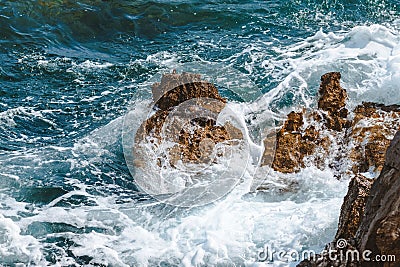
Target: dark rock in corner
353,206
379,231
374,226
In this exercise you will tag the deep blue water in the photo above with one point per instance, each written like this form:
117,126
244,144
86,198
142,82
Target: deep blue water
69,68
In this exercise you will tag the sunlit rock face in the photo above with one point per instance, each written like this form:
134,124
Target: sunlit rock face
175,89
373,127
331,131
185,113
370,216
312,133
294,143
332,102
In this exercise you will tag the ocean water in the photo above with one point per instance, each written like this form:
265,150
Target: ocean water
70,73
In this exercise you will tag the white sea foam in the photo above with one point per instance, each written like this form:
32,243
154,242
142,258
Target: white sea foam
367,57
16,247
299,211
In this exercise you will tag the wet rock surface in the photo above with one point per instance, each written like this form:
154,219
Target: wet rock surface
379,231
303,133
293,144
176,88
373,127
176,99
353,207
323,133
370,214
332,102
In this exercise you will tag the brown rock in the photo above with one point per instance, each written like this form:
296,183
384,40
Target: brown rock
373,127
175,89
379,231
293,144
197,143
186,111
269,142
353,206
188,91
152,126
369,135
333,101
172,80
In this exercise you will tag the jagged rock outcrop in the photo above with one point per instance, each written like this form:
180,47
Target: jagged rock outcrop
369,220
185,113
325,131
370,214
301,143
314,135
333,102
176,88
373,126
294,141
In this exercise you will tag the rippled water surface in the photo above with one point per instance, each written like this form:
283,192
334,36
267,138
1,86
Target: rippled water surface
71,70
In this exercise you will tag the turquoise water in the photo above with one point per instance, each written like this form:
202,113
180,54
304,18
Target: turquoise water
71,70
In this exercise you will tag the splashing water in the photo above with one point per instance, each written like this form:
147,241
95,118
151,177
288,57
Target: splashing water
72,71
